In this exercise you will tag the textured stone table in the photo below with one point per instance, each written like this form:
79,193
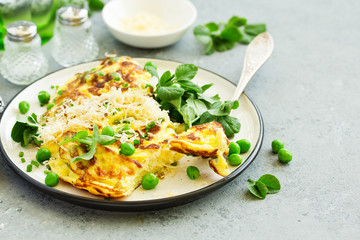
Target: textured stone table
308,93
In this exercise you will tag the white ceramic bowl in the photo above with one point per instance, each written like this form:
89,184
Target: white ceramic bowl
179,13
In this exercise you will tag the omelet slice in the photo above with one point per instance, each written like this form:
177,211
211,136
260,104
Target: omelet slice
206,140
118,72
108,173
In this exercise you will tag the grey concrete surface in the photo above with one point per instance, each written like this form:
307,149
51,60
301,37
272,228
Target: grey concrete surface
308,94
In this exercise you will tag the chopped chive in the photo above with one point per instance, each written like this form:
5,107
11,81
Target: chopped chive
150,126
52,87
101,73
129,133
50,105
125,127
29,168
147,85
71,105
114,59
105,104
57,86
48,167
161,119
36,164
125,85
22,160
145,137
21,154
136,142
60,92
46,172
116,121
117,109
87,77
116,76
174,164
93,69
125,121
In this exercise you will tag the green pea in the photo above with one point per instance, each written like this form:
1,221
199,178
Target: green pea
24,107
127,149
276,145
43,97
108,131
244,145
193,172
234,148
21,154
149,181
42,155
51,179
50,105
29,168
235,159
284,155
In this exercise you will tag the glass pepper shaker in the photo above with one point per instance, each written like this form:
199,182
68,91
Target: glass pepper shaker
23,61
73,41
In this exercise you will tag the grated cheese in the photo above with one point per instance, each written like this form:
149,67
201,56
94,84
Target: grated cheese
145,23
134,105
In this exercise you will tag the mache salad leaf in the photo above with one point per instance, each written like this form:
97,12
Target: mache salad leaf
186,102
267,184
25,129
223,36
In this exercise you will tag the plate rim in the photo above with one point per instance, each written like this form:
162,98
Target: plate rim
139,205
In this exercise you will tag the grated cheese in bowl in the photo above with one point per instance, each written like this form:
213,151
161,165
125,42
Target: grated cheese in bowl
145,23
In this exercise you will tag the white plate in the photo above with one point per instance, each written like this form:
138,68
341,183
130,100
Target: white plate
176,188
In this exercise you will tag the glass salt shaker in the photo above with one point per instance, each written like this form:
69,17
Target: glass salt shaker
23,61
73,41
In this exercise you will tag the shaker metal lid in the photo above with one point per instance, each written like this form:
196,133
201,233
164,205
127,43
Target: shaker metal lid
72,15
21,31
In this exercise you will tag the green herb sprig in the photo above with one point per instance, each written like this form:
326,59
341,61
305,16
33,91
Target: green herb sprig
267,184
25,129
186,101
90,140
223,36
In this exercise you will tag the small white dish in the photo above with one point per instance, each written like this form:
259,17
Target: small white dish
176,15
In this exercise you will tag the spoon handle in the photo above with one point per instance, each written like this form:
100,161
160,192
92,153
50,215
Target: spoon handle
258,51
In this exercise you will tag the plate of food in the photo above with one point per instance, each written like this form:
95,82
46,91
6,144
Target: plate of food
130,134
